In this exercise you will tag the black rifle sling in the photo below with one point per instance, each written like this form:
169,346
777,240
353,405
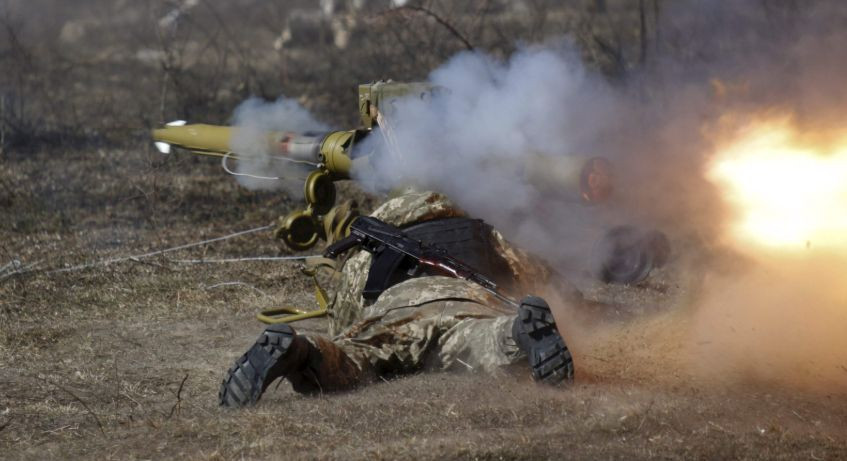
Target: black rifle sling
384,272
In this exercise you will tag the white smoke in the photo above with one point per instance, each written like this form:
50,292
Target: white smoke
474,140
491,123
542,102
253,119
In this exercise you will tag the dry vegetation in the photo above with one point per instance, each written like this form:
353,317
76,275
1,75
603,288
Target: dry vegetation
123,361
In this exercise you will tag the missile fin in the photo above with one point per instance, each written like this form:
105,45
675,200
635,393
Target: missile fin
163,147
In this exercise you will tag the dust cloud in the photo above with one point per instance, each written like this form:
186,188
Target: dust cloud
782,321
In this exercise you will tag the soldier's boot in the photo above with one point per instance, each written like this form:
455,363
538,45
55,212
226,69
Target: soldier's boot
311,364
327,369
536,334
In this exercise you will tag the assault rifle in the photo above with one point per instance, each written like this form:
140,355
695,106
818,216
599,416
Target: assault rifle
398,256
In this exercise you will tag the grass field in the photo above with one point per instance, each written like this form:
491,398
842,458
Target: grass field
124,360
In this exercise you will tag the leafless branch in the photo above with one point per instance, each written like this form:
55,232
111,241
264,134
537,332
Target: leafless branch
453,31
178,405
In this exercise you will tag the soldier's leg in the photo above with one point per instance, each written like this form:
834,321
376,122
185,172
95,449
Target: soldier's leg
311,363
479,344
402,335
450,334
488,344
441,334
399,341
393,337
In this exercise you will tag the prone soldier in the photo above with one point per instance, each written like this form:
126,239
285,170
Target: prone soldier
421,321
417,319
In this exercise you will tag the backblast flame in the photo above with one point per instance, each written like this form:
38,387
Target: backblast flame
785,193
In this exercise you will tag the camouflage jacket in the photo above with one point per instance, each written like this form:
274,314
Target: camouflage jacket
344,281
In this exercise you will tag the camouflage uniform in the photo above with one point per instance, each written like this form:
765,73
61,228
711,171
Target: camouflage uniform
431,322
427,322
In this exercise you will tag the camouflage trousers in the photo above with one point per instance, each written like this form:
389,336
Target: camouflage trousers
433,323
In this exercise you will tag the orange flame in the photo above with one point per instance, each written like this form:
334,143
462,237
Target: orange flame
787,192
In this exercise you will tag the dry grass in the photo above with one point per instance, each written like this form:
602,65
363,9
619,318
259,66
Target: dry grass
139,349
124,361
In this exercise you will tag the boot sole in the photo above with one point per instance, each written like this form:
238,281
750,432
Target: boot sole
549,357
248,378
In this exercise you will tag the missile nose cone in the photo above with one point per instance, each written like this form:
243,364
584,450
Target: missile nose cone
170,134
195,137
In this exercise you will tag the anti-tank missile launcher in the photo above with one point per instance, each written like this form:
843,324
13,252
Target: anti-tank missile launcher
334,156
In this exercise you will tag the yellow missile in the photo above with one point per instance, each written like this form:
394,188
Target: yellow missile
327,150
200,138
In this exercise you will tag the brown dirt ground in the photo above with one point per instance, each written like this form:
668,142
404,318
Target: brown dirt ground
124,361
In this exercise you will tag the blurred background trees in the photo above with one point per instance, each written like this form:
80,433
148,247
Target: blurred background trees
105,71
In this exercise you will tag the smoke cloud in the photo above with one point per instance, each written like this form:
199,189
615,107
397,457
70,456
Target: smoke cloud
774,319
481,140
257,168
482,135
